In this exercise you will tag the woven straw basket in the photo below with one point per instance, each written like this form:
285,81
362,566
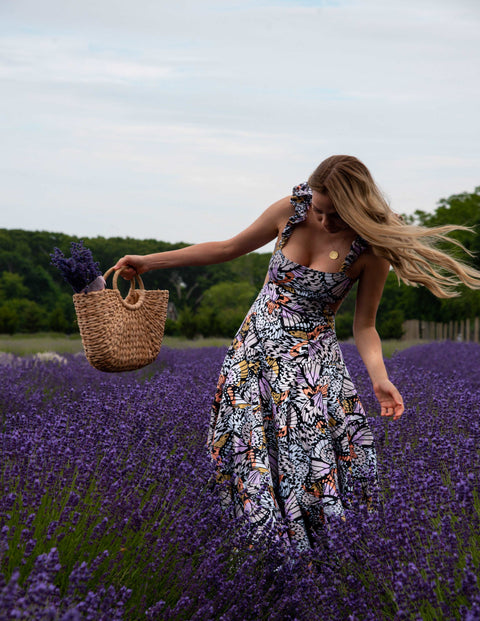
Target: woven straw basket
121,334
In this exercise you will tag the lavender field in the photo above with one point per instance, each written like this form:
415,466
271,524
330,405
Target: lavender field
108,510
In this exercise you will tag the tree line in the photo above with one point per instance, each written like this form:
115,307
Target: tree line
210,300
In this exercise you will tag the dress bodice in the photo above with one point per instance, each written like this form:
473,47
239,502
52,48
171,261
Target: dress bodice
327,288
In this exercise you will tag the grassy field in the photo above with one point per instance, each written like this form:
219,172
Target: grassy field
28,344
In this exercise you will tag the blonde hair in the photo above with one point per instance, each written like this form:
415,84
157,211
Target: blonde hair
411,250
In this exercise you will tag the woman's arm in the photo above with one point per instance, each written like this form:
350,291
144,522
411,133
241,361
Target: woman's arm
370,289
264,229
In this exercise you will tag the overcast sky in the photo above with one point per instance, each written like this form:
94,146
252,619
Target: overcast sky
183,120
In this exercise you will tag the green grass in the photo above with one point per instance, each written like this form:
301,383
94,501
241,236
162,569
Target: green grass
391,346
28,344
179,342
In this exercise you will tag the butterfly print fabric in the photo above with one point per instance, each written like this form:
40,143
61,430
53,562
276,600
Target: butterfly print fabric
288,433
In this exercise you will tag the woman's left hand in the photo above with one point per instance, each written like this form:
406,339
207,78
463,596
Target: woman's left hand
390,399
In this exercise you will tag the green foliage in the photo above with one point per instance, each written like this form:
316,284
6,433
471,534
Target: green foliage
391,326
344,326
223,308
11,286
466,305
187,324
461,209
57,322
172,328
8,319
251,268
21,315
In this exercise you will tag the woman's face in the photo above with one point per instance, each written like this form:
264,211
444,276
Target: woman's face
324,212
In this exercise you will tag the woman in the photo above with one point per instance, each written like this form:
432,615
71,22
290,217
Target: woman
288,432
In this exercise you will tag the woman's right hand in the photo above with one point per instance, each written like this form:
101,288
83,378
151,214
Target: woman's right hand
131,264
390,400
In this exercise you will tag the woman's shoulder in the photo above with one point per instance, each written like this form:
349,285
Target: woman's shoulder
282,209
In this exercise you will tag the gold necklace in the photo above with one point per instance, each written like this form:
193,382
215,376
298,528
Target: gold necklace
333,254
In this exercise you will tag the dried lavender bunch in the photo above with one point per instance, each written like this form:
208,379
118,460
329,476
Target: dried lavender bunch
80,269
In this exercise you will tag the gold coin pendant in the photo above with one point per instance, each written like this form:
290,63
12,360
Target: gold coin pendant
333,254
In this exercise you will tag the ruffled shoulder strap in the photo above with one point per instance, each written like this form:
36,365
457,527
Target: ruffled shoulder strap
359,245
301,201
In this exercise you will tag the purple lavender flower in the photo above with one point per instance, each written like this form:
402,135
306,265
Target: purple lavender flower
109,509
80,269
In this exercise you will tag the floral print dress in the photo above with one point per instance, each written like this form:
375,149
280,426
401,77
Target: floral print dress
288,433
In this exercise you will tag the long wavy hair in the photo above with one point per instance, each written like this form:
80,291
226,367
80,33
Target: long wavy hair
411,250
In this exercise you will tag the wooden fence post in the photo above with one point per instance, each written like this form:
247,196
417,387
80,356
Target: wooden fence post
411,331
465,330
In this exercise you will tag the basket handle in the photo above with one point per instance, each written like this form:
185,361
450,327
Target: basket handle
132,287
115,278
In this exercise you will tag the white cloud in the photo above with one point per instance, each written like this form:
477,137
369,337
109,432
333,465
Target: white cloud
198,114
46,60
